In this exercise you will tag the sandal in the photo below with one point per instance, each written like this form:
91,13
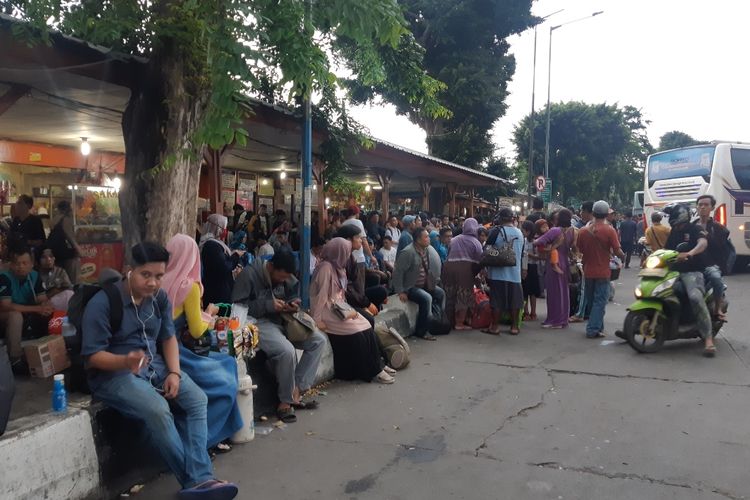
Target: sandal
428,336
575,319
514,331
384,378
709,352
212,489
287,415
305,405
598,335
489,331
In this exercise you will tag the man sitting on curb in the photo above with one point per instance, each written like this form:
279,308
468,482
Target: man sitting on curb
22,298
269,288
129,374
415,278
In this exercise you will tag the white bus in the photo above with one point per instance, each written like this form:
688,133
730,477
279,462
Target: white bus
721,169
638,203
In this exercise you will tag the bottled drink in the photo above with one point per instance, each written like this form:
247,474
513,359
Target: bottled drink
59,396
230,342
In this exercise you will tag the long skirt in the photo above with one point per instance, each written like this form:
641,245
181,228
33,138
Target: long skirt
216,374
356,356
558,297
458,283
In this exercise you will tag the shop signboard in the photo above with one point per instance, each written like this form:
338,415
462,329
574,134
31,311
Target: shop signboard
97,256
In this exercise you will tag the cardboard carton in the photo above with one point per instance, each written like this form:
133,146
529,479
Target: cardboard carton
46,356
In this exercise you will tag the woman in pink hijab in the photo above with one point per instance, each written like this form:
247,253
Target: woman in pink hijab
356,354
214,372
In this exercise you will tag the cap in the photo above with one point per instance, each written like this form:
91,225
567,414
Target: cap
601,208
59,377
408,219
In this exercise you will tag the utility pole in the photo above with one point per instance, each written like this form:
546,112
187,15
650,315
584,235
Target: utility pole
306,172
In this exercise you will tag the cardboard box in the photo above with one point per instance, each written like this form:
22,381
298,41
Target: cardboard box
46,356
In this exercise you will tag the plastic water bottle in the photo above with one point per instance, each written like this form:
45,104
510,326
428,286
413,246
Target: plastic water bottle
59,396
245,404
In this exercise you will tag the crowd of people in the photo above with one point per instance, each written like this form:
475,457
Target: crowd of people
154,359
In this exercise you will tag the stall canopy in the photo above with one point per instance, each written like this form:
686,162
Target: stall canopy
57,94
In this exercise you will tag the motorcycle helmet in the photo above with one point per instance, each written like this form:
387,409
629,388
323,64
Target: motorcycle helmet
679,213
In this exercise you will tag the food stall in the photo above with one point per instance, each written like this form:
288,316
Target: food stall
98,229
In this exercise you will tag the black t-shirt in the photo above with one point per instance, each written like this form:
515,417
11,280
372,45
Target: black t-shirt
690,234
535,216
627,232
28,229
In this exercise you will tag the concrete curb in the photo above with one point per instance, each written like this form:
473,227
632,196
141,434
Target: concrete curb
50,456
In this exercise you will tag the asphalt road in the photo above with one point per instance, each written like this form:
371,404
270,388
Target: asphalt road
545,415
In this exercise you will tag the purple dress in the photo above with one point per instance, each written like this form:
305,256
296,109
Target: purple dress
558,294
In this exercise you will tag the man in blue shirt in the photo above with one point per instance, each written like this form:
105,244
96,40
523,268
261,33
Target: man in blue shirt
128,373
22,298
406,238
506,294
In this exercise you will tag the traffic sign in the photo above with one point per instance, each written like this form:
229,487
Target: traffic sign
547,191
541,182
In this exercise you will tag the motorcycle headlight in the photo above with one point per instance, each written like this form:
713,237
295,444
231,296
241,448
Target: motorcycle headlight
638,292
663,286
653,262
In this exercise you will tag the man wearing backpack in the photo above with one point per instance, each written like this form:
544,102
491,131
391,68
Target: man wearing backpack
129,373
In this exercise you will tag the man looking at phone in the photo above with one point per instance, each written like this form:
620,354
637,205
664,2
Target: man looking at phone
269,288
127,372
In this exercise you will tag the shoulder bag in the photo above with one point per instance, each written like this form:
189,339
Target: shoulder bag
298,326
503,256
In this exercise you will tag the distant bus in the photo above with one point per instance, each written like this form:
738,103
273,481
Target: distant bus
638,203
721,169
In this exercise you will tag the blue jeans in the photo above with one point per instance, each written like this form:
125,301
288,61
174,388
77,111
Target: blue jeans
424,300
184,450
597,295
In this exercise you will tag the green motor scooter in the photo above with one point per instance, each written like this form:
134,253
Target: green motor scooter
660,313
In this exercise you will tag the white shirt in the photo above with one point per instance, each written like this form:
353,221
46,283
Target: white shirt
264,250
359,255
388,255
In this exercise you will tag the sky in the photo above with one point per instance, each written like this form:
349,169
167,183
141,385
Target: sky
682,62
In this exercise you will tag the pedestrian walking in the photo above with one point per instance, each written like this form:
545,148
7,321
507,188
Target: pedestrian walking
597,242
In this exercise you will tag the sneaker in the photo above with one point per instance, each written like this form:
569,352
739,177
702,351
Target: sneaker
384,378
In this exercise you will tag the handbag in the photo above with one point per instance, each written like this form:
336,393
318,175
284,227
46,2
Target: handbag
200,346
503,256
342,309
298,326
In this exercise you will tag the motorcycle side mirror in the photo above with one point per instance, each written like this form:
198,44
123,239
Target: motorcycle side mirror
683,247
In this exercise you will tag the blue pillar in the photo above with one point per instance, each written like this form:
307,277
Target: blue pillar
306,206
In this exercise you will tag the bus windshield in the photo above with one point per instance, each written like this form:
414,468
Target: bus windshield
688,162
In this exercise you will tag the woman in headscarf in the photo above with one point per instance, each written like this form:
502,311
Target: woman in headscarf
215,373
216,259
459,271
356,354
563,238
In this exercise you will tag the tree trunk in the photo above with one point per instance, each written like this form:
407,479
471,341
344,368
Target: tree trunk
433,128
162,165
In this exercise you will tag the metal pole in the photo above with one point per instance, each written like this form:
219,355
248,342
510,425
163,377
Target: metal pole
531,125
307,190
549,86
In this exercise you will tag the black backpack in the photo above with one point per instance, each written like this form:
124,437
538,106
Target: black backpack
76,307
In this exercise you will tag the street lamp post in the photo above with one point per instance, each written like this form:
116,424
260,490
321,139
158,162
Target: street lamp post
549,85
531,116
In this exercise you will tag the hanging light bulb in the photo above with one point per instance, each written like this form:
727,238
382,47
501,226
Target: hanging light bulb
282,175
85,146
368,188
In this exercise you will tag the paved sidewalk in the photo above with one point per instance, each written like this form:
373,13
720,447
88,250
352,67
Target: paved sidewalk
545,415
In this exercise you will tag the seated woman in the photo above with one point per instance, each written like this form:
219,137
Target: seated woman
55,281
215,373
356,354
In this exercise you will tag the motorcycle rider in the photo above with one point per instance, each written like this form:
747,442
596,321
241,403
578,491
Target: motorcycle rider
717,254
691,264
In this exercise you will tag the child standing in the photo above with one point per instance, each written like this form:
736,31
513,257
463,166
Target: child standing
530,282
